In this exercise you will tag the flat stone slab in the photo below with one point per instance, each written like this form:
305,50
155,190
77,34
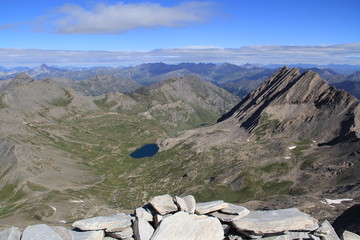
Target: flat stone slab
185,226
190,203
164,204
207,207
40,232
114,223
236,210
181,204
275,221
326,232
88,235
227,218
142,229
127,233
12,233
143,213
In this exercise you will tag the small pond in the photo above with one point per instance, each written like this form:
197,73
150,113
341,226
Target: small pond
147,150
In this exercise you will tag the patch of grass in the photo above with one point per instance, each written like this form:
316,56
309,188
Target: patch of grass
276,187
265,123
277,169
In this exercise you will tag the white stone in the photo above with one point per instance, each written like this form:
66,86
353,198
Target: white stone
127,233
104,222
235,209
40,232
275,221
225,217
185,226
144,214
158,218
234,237
347,235
207,207
326,232
88,235
181,204
142,229
190,203
164,204
12,233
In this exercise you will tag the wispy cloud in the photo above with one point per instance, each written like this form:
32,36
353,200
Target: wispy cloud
120,17
337,54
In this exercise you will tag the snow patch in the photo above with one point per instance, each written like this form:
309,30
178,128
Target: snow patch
76,201
336,201
292,147
287,157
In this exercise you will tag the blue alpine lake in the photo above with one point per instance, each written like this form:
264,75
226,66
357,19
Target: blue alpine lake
147,150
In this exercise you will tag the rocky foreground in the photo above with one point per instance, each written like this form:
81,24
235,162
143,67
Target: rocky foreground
181,218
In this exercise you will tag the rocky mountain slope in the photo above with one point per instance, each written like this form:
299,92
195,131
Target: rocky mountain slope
65,155
291,142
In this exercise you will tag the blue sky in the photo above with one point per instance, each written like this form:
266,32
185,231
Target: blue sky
277,31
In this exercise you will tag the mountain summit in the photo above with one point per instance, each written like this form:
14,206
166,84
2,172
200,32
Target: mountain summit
300,106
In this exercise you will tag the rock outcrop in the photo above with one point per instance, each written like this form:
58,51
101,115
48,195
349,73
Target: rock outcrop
177,224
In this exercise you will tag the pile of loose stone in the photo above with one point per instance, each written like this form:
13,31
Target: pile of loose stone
181,218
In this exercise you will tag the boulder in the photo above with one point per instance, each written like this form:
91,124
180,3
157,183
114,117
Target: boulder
181,204
144,214
40,232
275,221
207,207
88,235
190,203
113,223
326,232
347,235
12,233
185,226
164,204
142,229
236,210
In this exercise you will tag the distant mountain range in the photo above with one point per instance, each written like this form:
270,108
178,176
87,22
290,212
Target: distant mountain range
239,80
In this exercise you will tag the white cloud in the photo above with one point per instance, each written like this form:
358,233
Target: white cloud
322,55
120,18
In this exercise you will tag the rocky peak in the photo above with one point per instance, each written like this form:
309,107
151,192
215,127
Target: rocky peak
290,104
18,79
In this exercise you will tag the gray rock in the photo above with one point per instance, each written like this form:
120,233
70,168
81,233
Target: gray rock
158,218
234,237
326,232
278,237
225,217
144,214
12,233
114,223
190,203
142,229
226,228
63,232
127,233
185,226
297,235
164,204
207,207
40,232
236,210
88,235
181,204
347,235
312,236
275,221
